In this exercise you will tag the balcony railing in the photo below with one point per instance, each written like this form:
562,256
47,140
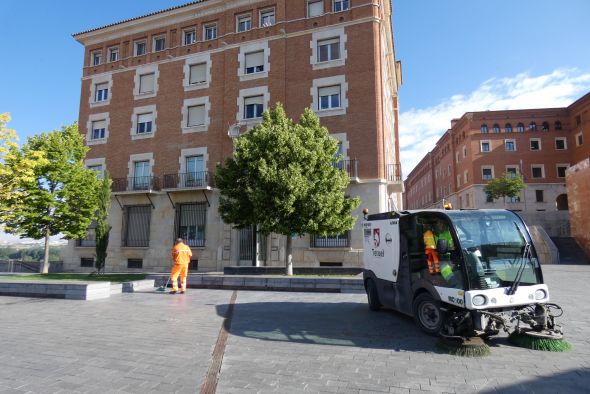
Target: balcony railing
189,180
350,166
138,183
394,172
333,241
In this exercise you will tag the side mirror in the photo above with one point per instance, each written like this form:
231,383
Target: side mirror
442,246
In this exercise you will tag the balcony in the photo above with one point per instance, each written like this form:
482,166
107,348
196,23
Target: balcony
190,180
139,184
393,174
350,166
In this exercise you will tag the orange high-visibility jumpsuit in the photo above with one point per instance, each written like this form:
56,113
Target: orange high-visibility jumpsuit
181,254
430,251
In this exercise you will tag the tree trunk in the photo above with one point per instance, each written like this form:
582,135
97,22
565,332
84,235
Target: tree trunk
289,255
45,267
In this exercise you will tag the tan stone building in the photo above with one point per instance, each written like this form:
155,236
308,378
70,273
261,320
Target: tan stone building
163,95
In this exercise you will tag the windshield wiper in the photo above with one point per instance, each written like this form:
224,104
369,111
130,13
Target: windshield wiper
526,256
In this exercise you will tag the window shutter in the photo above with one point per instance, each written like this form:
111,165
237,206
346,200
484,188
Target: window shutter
254,100
99,124
196,115
198,73
146,83
254,59
315,8
329,90
143,118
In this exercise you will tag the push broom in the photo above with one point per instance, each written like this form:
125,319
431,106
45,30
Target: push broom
164,287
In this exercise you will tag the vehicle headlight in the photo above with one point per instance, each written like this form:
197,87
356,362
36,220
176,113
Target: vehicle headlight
479,300
540,294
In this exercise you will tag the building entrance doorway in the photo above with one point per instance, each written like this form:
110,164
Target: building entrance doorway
252,247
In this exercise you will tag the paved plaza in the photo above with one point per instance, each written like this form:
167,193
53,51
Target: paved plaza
278,342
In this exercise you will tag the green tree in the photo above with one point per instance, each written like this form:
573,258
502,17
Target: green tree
282,178
508,185
60,197
103,228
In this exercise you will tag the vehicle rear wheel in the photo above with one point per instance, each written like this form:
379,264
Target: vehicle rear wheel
427,314
373,296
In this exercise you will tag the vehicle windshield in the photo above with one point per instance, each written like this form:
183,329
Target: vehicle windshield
494,246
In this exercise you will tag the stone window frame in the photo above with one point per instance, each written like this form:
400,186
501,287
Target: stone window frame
188,152
204,58
97,118
325,82
327,34
144,70
251,48
134,158
558,165
191,103
98,80
98,161
114,49
538,166
139,111
531,140
564,139
482,142
579,139
487,167
251,92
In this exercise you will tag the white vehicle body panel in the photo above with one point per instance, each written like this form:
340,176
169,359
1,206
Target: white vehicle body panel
381,248
525,295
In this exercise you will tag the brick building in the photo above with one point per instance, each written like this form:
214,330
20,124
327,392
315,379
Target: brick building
162,95
539,144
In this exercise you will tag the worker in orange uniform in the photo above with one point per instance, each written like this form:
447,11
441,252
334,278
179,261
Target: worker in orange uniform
430,252
181,254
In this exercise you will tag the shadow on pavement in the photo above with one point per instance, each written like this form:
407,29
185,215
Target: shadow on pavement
336,324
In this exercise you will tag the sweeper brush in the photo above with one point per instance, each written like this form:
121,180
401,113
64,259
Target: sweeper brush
464,347
536,329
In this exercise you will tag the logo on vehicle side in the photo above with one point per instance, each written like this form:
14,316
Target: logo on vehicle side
376,237
388,239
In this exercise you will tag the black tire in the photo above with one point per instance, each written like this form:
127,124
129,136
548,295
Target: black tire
373,296
427,314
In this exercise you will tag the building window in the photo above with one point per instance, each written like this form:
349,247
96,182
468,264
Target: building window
538,171
96,58
136,224
557,125
496,128
243,23
198,73
535,143
578,120
267,18
465,176
330,241
509,145
195,171
98,129
484,128
464,152
508,128
147,83
520,128
561,168
487,173
560,143
141,175
512,172
134,263
253,107
488,198
579,139
190,37
101,92
254,62
484,146
113,54
140,48
532,126
210,31
98,168
159,44
191,219
539,196
329,97
315,8
545,126
87,262
144,123
458,180
329,49
341,5
196,116
513,199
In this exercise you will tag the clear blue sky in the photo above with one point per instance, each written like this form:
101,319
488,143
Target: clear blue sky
447,47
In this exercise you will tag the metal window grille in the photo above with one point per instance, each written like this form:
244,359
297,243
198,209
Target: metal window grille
135,263
191,223
137,225
247,244
331,241
87,262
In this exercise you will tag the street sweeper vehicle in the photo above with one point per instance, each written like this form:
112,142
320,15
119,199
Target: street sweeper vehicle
460,274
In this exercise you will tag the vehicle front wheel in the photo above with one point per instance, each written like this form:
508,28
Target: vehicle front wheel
373,296
427,314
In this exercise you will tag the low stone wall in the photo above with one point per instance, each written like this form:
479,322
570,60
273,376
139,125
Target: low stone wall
236,270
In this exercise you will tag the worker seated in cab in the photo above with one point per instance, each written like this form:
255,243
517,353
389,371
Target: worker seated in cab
438,247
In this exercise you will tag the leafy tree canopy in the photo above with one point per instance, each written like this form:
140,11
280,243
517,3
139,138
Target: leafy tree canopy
282,177
508,185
